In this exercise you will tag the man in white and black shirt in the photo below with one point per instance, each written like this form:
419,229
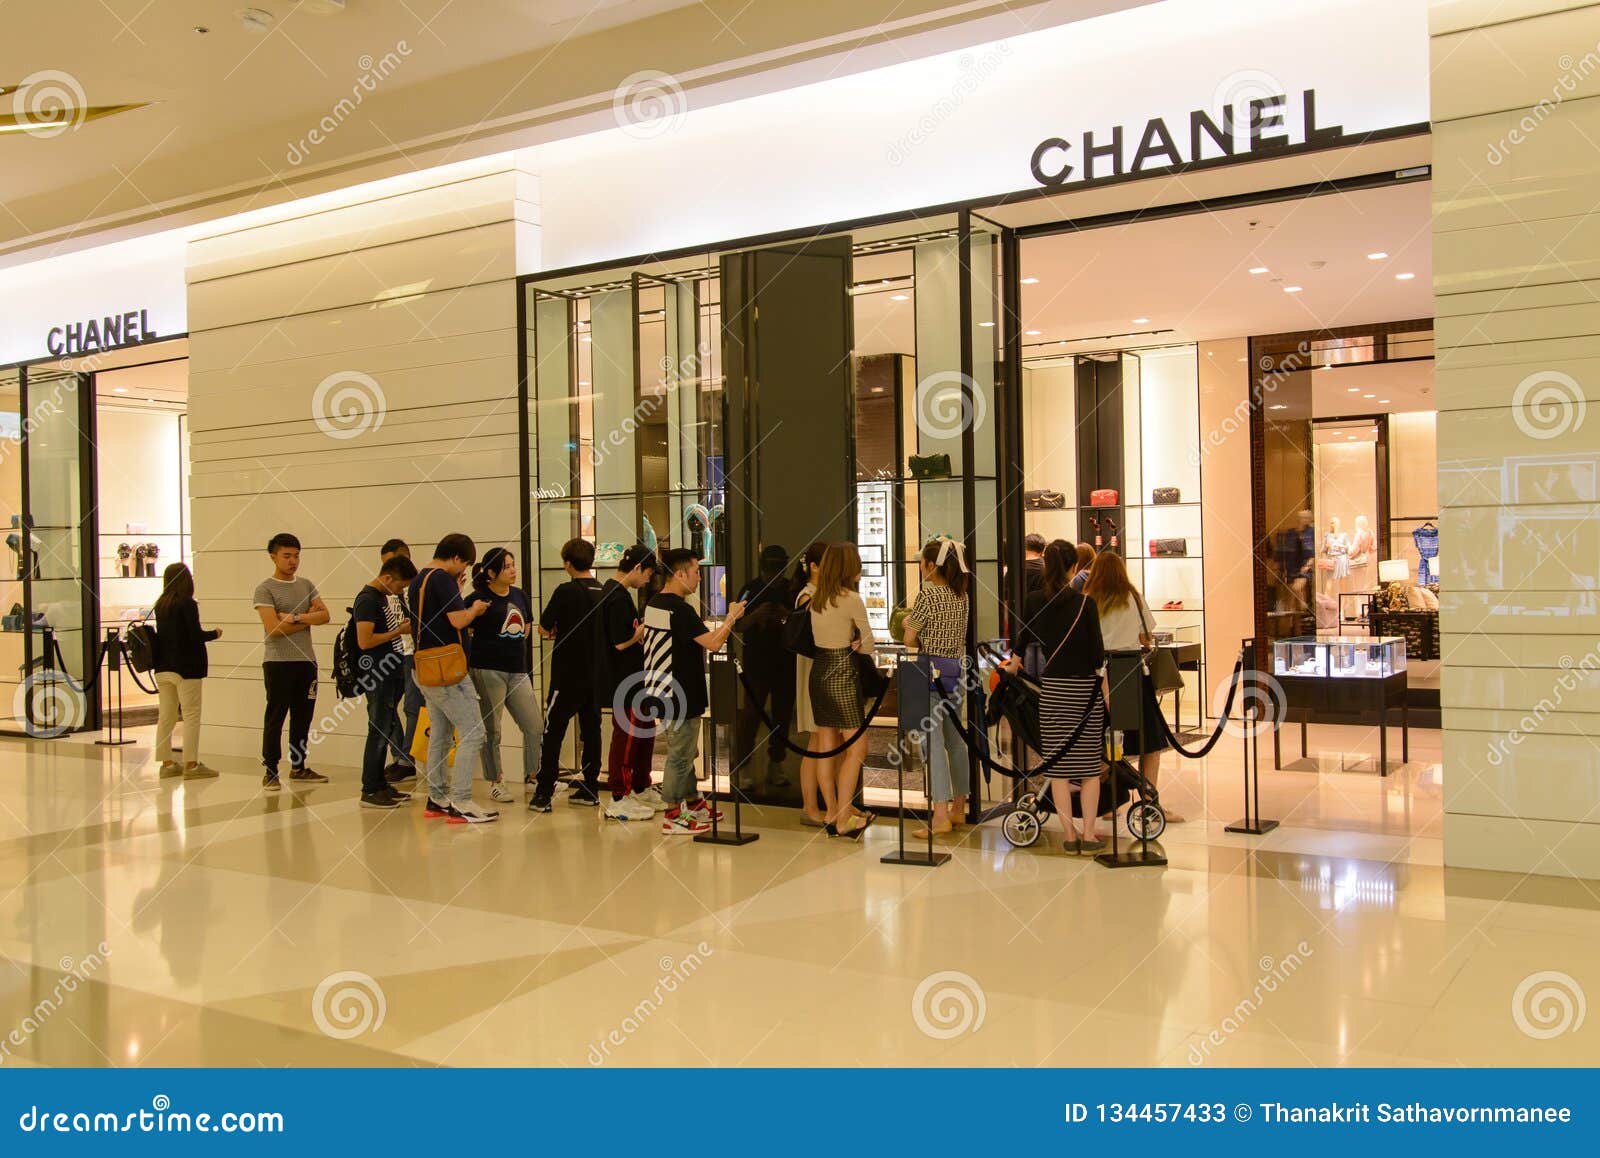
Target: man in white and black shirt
402,767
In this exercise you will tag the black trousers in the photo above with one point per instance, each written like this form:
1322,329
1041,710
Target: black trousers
292,693
770,683
565,703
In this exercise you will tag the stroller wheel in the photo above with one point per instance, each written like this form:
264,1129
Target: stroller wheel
1146,821
1021,828
1028,801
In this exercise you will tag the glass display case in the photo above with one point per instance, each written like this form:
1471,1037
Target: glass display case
1339,657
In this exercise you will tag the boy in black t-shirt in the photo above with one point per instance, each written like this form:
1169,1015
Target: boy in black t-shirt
619,658
381,673
568,619
676,640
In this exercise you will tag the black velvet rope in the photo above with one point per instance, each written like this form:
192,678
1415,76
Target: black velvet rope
980,744
777,729
1222,719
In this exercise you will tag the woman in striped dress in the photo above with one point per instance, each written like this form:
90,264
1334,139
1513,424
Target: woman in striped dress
1065,626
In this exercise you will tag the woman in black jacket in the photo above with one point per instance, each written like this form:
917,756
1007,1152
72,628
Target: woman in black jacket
180,667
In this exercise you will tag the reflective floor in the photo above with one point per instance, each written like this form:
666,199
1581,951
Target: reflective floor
203,924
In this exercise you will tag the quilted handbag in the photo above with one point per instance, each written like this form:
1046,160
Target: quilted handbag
926,466
1166,548
1042,500
1103,498
1163,496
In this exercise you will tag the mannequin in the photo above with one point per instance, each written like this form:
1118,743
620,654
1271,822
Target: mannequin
1362,544
1336,550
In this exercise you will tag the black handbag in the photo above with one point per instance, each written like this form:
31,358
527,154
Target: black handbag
1164,496
797,635
869,675
1043,500
1168,548
928,466
139,641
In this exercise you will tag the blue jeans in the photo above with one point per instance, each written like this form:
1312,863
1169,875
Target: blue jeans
949,773
514,692
682,738
383,730
453,707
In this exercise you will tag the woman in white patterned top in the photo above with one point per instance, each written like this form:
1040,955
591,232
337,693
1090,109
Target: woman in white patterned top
937,627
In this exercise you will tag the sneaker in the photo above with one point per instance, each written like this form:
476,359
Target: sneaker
498,791
538,802
307,776
384,799
399,796
199,772
704,811
584,796
652,797
398,773
629,808
269,782
471,814
682,822
436,809
170,768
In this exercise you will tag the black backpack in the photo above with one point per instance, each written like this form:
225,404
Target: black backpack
346,685
139,641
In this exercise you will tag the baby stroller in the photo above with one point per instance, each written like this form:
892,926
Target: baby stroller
1030,812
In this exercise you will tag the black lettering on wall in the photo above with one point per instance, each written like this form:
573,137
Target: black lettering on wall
1092,150
1200,122
1059,177
1156,142
1264,115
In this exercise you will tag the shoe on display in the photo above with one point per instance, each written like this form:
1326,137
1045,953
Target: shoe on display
269,782
471,814
200,772
682,822
436,808
307,776
499,792
652,797
384,799
584,797
538,802
170,768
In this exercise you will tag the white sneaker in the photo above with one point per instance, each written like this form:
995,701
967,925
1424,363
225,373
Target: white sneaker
498,791
629,808
682,824
652,797
471,814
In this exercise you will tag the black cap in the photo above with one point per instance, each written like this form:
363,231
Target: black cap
635,556
774,555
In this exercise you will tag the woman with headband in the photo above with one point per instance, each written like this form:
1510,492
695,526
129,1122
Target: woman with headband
936,626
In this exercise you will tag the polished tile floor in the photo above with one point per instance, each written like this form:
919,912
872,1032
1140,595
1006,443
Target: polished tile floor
203,924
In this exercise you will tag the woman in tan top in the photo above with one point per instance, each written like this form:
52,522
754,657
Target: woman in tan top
840,629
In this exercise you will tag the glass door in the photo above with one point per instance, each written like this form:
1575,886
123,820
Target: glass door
54,536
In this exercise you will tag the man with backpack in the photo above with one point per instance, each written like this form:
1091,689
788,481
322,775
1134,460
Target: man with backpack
368,661
568,618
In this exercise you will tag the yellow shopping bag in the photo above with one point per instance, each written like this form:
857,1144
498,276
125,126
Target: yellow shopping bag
419,742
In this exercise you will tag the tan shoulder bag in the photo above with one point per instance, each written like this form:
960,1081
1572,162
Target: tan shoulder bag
437,667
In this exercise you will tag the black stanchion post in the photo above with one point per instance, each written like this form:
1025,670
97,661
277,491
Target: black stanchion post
115,733
1252,824
725,706
915,695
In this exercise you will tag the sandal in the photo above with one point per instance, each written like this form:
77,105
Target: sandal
921,832
864,822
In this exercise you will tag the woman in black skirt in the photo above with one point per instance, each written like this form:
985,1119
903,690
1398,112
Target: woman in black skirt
1065,627
840,628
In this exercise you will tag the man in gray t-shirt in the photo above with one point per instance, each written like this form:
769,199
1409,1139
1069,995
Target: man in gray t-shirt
289,607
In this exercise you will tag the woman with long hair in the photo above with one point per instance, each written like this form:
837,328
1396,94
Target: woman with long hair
181,668
936,626
812,783
840,628
500,660
1127,625
1065,627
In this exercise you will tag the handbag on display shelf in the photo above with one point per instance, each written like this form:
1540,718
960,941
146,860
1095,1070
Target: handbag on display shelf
1043,500
437,667
1165,496
1103,498
1168,548
928,466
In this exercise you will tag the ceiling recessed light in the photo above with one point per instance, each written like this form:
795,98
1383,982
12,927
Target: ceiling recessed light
1379,256
1030,281
120,390
1383,402
1140,321
987,325
1259,269
1034,333
1354,390
1351,437
899,298
877,389
1369,396
1404,276
1291,289
1244,359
